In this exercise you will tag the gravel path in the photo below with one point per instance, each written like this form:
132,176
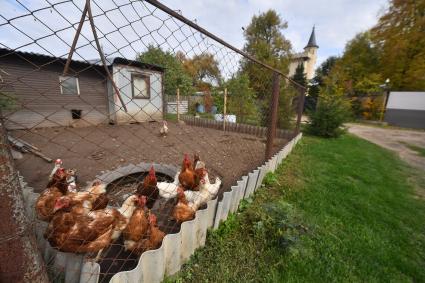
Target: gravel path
395,140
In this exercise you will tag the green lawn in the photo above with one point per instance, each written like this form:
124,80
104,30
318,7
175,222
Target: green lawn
337,210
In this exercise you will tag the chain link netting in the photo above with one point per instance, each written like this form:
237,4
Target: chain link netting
142,90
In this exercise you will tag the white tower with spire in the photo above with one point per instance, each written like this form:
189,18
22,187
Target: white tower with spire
308,58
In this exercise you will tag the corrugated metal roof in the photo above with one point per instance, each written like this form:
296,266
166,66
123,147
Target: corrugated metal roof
408,100
47,59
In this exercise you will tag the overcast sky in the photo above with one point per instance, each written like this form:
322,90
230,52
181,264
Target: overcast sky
336,22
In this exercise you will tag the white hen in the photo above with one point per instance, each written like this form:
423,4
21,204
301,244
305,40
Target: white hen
164,129
169,190
58,164
207,192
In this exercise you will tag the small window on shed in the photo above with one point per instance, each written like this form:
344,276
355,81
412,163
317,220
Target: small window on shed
141,85
69,85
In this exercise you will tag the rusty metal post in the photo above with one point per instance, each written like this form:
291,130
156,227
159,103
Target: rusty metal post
224,109
274,103
20,260
299,111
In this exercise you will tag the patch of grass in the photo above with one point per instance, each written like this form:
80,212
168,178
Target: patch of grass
206,115
270,179
419,150
171,117
341,210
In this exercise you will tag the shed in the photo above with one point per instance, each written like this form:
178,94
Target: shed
42,97
406,109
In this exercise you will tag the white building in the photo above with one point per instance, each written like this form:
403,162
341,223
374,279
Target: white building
307,58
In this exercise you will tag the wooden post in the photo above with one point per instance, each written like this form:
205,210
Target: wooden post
224,109
178,103
274,103
20,259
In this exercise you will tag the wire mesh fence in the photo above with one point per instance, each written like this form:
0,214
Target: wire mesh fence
107,85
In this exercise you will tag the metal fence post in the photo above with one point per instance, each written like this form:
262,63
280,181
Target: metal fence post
224,109
20,260
300,111
274,103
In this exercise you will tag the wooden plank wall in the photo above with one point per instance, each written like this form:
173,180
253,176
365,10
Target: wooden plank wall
39,103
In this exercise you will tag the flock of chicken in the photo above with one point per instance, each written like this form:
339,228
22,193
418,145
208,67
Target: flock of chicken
82,221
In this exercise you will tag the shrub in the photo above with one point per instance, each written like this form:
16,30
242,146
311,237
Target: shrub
331,112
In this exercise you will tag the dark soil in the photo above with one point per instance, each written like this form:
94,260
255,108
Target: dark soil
93,150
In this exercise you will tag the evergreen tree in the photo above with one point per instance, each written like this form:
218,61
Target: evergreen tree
318,81
241,100
266,42
300,76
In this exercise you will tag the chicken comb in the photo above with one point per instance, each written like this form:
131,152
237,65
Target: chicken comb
58,161
152,171
152,218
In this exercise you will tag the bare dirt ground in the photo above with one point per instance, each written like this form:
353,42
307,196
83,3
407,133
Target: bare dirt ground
92,150
395,140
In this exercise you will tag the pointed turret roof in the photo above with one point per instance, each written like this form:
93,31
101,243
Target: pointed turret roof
312,40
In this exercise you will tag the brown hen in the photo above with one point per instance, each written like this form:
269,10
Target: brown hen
188,177
70,231
149,189
57,188
136,229
182,211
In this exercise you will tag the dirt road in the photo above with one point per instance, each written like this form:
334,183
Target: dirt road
400,141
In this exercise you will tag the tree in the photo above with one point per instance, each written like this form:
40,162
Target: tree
369,85
399,36
333,109
265,42
323,70
203,68
241,99
300,76
359,61
318,81
175,74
